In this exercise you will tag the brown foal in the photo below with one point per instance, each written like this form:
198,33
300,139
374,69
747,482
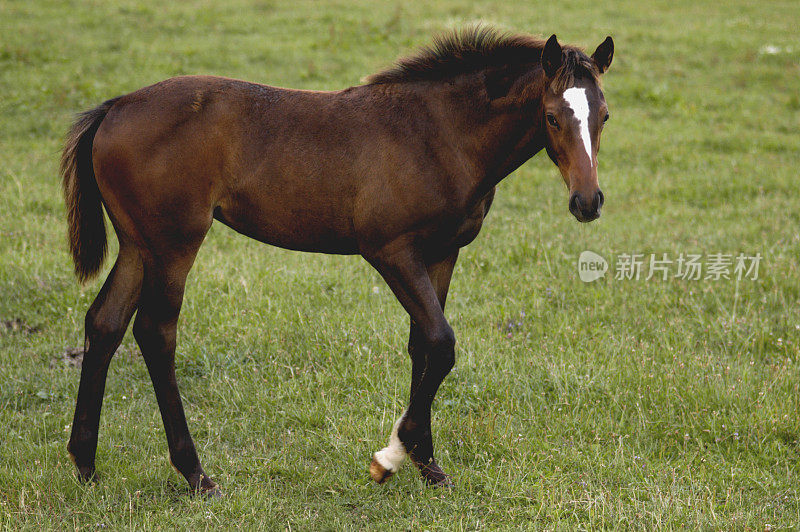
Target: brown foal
401,170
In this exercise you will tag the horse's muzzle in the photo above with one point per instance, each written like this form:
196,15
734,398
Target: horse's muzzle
586,209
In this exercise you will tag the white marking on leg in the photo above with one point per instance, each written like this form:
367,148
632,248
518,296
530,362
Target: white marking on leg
392,456
577,101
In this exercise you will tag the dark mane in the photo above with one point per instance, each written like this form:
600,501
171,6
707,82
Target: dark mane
477,48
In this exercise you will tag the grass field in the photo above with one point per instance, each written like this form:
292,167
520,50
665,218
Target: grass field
616,404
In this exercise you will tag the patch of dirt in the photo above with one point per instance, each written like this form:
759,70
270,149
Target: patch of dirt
17,325
71,357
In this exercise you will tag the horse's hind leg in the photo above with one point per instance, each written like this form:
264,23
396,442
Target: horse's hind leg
155,331
106,323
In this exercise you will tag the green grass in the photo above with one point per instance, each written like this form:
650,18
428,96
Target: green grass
616,404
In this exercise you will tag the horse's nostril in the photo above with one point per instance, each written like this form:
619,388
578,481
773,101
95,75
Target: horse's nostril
574,204
585,208
599,199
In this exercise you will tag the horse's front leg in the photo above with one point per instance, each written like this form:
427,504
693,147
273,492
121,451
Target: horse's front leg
422,289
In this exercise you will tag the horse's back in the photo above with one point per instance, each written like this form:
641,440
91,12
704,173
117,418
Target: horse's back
269,162
305,170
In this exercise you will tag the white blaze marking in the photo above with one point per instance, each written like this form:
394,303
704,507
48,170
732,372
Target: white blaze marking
576,99
392,456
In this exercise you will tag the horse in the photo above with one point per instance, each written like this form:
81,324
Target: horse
401,170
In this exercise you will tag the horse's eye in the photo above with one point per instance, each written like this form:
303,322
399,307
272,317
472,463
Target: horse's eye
552,121
606,118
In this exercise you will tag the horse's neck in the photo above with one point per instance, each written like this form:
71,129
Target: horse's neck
497,137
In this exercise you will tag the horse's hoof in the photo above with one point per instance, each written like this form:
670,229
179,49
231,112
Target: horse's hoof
213,493
433,475
445,483
379,473
208,489
88,475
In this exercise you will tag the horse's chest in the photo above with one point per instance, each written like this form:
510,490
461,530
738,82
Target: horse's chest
467,230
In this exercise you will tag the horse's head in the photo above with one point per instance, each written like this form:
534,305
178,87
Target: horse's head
574,111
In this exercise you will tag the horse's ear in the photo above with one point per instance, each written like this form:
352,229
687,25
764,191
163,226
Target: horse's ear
552,56
603,55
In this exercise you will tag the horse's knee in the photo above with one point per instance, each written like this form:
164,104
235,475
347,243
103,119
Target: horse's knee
441,344
441,338
102,330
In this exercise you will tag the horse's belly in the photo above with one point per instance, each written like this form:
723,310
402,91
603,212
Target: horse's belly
290,227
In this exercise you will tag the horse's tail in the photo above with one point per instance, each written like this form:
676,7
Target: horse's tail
87,227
